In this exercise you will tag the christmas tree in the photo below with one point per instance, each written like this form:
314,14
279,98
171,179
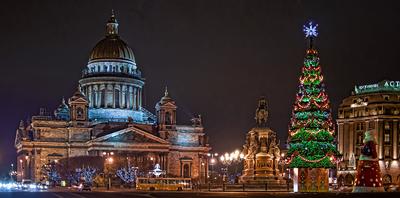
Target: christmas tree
311,130
368,177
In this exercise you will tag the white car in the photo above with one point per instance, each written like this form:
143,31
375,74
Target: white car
26,184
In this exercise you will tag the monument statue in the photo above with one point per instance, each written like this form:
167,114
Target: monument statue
261,150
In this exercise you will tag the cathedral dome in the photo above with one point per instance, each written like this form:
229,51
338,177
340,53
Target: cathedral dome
112,46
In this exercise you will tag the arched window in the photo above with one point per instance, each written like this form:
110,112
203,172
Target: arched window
349,180
186,171
79,113
168,118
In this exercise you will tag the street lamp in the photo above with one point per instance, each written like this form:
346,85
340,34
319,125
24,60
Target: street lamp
229,159
13,173
282,162
212,162
21,168
108,161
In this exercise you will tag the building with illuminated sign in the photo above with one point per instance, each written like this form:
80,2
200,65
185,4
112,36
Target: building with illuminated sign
105,115
370,107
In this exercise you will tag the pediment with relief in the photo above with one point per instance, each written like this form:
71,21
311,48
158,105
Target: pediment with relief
131,135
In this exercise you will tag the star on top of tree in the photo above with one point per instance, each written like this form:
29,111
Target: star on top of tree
310,30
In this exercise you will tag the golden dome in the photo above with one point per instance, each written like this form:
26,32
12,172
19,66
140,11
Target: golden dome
112,46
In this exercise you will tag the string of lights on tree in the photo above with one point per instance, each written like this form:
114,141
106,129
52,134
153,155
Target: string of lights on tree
311,128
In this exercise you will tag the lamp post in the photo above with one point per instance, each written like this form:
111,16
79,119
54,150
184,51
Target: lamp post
13,173
21,169
282,162
229,159
108,162
212,161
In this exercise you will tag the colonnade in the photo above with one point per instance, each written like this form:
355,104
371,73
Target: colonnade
114,95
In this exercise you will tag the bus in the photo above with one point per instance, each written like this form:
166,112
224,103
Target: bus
160,183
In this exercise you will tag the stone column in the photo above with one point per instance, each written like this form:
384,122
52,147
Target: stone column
166,164
140,98
99,96
127,102
348,127
123,96
120,97
340,137
134,98
351,138
96,95
131,103
379,130
113,96
89,95
106,95
110,89
395,139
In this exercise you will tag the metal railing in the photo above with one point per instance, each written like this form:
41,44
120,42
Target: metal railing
244,187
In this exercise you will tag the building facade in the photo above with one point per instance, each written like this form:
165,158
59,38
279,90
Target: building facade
370,107
105,115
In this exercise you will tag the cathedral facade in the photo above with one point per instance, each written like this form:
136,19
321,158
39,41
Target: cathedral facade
105,115
374,107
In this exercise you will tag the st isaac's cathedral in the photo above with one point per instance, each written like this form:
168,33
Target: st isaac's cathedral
105,115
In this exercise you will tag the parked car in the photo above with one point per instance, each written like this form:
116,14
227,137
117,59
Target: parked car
26,184
41,186
84,187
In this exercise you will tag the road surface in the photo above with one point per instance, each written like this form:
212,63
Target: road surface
190,195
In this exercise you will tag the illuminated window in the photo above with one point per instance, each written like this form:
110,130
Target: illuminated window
387,151
387,126
371,124
387,138
386,97
360,138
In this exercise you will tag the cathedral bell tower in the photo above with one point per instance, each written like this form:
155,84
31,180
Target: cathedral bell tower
79,108
166,114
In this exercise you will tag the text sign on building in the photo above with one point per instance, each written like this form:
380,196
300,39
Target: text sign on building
385,85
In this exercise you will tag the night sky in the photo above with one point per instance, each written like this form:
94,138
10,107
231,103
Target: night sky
216,57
